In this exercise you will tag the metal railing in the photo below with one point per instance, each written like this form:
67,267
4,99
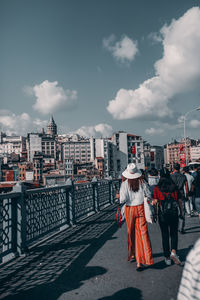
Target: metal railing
30,216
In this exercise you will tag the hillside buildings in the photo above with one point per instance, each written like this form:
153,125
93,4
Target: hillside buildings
177,152
48,158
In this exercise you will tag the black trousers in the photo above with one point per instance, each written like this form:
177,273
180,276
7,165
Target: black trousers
169,230
182,221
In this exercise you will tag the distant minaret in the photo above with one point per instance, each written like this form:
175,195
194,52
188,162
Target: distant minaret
52,127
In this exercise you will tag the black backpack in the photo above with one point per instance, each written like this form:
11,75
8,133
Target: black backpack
169,206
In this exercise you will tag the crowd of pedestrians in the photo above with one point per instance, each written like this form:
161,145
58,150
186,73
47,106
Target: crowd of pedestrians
174,196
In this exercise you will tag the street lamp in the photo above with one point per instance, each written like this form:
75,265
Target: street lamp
197,108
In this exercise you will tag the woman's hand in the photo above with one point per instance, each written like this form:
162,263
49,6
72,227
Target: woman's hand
154,202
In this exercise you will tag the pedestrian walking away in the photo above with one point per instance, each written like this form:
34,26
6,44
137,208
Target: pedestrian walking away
188,203
180,181
132,191
153,179
167,200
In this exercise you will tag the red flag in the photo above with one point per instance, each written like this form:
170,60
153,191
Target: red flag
152,155
181,147
133,150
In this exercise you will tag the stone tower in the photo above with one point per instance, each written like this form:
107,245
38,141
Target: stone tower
51,127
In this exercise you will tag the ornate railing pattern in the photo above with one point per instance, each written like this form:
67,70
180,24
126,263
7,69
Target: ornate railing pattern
8,224
46,209
29,216
104,194
83,200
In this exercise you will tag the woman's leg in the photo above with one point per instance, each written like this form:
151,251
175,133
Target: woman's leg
174,232
143,250
190,203
187,207
165,235
130,221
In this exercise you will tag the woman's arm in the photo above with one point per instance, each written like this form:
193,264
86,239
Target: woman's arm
123,192
180,204
155,197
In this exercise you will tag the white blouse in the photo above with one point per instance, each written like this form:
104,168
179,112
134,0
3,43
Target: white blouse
132,198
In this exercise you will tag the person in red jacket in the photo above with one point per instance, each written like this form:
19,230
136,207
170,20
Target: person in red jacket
168,203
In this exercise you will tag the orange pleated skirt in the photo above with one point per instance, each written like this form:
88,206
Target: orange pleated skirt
138,240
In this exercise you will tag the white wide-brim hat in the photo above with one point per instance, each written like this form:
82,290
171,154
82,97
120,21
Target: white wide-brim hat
132,172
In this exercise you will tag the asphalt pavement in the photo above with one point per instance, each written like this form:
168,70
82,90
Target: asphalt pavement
89,262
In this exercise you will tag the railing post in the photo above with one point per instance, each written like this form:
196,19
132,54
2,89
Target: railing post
14,222
6,228
95,196
22,224
71,204
110,192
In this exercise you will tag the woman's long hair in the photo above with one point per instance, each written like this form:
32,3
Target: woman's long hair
134,184
165,183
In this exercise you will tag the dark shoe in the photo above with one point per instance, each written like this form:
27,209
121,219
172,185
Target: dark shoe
131,259
139,269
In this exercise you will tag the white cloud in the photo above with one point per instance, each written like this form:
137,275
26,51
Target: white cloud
19,124
100,130
51,98
155,37
123,50
154,131
194,123
176,72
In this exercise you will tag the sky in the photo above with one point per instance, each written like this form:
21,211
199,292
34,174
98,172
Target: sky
101,66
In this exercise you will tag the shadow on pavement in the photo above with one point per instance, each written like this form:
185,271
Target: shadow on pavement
126,294
182,253
194,227
60,265
159,265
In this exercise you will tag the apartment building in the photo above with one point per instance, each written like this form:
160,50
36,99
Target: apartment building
12,144
177,149
195,153
77,149
102,151
43,143
129,148
156,157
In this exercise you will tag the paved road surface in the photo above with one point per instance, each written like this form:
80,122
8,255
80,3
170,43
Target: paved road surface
89,262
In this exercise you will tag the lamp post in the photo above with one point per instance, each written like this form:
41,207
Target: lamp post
197,108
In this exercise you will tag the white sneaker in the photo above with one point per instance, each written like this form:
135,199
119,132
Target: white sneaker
175,258
168,261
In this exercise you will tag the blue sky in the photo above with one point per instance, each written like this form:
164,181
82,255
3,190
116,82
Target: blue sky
70,58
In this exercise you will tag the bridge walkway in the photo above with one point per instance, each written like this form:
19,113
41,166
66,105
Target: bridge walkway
89,262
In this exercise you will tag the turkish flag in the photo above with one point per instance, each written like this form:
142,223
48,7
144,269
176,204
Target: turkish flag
133,150
181,147
152,155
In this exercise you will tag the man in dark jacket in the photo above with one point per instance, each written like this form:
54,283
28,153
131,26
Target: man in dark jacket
180,181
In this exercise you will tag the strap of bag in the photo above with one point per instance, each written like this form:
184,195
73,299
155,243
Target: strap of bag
118,216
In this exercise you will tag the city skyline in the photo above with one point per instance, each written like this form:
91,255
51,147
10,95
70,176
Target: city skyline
100,67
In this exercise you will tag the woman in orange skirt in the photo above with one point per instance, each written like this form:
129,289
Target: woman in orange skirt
132,191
